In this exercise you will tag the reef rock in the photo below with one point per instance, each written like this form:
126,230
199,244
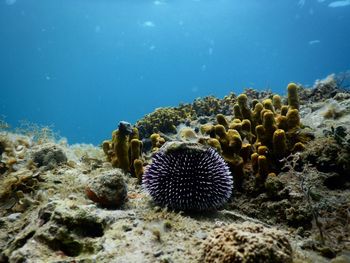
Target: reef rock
247,242
108,189
49,155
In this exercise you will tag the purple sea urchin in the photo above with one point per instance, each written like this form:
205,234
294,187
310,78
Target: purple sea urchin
188,176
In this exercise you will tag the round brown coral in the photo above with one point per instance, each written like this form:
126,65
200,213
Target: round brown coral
247,243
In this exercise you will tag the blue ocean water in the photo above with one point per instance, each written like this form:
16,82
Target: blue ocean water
84,65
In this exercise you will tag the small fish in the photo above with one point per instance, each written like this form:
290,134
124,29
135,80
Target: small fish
159,2
313,42
148,24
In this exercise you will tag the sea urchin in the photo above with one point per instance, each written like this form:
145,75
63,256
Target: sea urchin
188,176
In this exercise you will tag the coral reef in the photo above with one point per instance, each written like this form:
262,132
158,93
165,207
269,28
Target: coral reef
157,141
247,242
322,89
276,166
165,120
255,123
188,177
258,95
211,105
264,134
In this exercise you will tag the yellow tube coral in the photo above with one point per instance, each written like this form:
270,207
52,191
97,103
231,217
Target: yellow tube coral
282,122
237,112
269,127
293,97
246,151
254,157
268,105
121,149
220,118
284,110
277,102
293,119
279,142
263,168
263,150
215,144
260,134
256,115
135,149
243,105
138,167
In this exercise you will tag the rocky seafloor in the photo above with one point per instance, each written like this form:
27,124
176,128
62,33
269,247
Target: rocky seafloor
303,215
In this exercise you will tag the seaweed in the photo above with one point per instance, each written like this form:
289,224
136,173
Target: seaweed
330,212
291,163
39,133
4,126
340,135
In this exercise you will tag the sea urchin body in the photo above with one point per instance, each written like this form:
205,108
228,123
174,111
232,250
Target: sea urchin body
188,176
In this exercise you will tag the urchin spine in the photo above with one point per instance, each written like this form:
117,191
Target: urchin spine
189,179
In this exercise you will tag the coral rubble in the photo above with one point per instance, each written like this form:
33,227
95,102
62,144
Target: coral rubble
247,242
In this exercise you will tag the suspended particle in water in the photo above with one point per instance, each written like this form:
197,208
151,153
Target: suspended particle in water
10,2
